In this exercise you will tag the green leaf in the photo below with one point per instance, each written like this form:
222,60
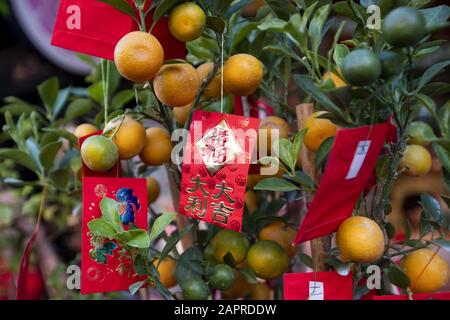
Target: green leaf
443,155
296,145
316,27
189,265
160,224
33,151
48,153
121,5
236,7
48,91
134,288
140,265
431,72
249,275
164,7
6,215
276,185
173,240
398,277
215,23
19,157
305,180
108,208
307,260
274,25
240,32
121,99
323,151
60,102
431,208
390,230
436,16
285,148
102,228
340,52
136,238
77,109
306,84
64,134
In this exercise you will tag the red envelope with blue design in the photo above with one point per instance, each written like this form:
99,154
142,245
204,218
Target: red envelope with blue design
318,286
94,28
215,168
103,267
350,166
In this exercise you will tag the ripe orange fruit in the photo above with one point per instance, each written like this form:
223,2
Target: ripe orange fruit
128,135
181,114
166,271
138,56
416,161
153,189
84,129
177,85
260,291
251,200
252,8
230,241
267,259
240,288
187,21
99,153
271,124
158,147
212,90
281,233
360,239
242,74
337,81
318,130
427,271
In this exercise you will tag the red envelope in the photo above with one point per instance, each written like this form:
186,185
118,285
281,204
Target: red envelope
112,273
318,286
417,296
114,172
94,28
350,166
215,168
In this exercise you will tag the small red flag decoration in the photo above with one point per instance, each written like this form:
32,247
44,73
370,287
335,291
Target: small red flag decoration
94,28
318,286
349,169
103,267
215,168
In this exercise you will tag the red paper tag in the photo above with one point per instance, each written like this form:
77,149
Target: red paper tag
94,28
215,168
317,286
417,296
109,271
114,172
350,166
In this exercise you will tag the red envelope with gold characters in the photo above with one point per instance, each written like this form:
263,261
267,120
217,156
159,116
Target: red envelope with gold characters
103,267
94,28
350,166
416,296
318,286
215,168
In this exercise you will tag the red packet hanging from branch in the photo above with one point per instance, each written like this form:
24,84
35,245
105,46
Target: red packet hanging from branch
350,166
215,168
94,28
318,286
103,267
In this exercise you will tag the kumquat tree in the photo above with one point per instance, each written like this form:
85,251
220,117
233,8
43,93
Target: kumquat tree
234,149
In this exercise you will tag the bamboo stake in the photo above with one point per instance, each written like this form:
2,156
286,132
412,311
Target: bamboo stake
319,246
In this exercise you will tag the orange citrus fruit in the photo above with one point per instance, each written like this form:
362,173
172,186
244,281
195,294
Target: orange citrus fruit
177,85
99,153
240,288
337,81
166,271
267,259
416,161
427,271
84,129
318,130
281,233
138,56
128,135
230,241
212,90
158,147
360,239
260,291
242,73
181,114
153,189
187,21
271,125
